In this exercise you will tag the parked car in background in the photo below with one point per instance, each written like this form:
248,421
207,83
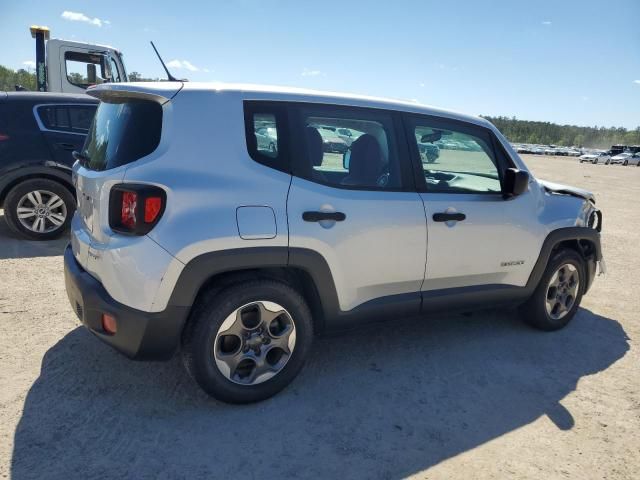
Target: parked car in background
267,139
622,159
38,133
347,135
429,152
331,142
572,152
596,157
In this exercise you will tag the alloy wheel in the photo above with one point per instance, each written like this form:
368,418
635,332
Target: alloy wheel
41,211
254,343
562,291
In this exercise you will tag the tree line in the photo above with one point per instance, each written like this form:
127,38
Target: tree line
547,133
517,131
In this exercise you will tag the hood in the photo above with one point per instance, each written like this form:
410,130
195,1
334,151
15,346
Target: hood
567,190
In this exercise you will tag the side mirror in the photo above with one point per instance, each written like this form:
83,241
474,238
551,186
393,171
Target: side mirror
346,156
516,182
91,73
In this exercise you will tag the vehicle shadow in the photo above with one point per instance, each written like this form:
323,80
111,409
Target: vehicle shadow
13,246
387,402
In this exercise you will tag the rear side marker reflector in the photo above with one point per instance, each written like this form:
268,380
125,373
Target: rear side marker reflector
109,324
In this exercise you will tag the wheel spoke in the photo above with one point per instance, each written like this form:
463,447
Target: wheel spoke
56,219
32,198
55,202
25,212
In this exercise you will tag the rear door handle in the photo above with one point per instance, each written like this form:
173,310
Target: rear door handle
66,146
447,217
319,216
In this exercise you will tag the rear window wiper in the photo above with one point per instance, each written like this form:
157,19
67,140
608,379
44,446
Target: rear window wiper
80,157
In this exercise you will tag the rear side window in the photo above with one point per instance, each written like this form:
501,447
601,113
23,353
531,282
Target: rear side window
265,129
67,118
122,132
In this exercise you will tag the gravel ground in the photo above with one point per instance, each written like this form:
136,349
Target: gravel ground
478,396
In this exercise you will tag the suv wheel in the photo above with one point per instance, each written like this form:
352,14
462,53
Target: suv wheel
39,209
557,297
248,341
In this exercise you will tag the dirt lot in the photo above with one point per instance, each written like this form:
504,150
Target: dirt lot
479,396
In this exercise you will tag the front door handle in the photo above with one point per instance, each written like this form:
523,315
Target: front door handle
319,216
447,217
66,146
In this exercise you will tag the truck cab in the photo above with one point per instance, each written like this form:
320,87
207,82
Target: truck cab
74,66
65,66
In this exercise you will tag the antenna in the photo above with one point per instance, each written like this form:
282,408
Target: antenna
170,77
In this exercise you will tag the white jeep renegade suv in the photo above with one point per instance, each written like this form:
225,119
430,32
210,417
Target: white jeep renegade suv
193,234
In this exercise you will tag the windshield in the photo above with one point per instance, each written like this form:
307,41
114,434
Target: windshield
121,133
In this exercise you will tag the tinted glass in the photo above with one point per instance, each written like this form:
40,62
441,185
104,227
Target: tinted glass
80,118
54,117
265,132
455,161
349,148
122,133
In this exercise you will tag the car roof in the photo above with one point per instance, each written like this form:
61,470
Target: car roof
294,94
46,97
249,91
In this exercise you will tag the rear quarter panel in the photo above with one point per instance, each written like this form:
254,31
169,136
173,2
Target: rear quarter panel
206,170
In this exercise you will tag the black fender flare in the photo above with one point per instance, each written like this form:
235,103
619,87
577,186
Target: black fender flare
555,238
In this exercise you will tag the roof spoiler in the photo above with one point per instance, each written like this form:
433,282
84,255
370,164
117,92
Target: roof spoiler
161,92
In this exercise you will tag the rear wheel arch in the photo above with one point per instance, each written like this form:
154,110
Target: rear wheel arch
304,270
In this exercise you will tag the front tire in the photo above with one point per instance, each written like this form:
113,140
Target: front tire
249,341
557,297
39,209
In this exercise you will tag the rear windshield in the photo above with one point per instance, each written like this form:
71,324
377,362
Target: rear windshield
122,132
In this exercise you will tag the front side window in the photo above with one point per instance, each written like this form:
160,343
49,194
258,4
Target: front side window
348,148
455,159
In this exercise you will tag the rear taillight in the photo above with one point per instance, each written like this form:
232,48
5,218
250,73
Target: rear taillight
135,209
3,137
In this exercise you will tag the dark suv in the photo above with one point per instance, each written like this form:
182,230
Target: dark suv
38,133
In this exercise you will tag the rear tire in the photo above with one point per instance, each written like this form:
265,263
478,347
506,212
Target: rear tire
39,209
551,308
247,364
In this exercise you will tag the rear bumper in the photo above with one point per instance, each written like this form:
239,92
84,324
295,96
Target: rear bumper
140,335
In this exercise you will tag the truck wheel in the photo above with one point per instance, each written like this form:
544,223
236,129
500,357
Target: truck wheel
39,209
557,297
248,341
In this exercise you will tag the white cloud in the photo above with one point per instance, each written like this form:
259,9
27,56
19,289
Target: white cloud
180,64
29,64
311,73
81,17
546,22
637,82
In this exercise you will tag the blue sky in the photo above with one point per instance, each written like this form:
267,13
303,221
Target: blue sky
564,61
